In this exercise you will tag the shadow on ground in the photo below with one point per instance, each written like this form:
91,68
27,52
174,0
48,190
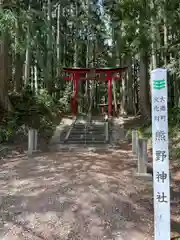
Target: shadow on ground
72,195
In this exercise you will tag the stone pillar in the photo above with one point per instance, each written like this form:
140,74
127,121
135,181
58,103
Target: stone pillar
135,142
32,140
142,159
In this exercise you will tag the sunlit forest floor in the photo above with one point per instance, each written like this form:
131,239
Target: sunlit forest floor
79,195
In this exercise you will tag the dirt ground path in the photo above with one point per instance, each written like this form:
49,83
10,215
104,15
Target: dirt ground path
73,195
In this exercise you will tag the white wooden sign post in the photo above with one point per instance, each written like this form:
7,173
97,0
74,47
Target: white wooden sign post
160,154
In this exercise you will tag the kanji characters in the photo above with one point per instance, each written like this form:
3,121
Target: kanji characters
160,155
161,99
160,135
158,118
161,197
161,176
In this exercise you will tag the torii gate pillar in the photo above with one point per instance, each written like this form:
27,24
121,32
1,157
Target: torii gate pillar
74,104
109,77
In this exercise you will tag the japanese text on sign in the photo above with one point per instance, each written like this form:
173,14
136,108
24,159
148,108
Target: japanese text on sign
160,154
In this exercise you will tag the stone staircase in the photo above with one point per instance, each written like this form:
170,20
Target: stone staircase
88,132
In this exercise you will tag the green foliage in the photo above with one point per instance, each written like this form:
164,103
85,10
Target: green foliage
45,99
145,132
65,99
29,111
177,150
4,134
174,116
7,20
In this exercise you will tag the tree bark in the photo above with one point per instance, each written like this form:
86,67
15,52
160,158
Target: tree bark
18,73
130,87
4,98
144,88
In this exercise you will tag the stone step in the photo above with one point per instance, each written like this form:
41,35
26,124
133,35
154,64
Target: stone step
75,131
80,129
92,133
85,142
95,130
87,138
87,135
87,130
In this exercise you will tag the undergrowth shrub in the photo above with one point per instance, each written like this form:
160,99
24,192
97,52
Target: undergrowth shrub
29,110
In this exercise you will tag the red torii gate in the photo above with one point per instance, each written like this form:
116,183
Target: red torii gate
76,75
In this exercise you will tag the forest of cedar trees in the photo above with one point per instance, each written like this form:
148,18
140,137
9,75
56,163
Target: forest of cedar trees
40,37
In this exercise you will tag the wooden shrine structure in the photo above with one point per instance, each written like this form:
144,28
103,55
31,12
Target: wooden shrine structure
98,74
